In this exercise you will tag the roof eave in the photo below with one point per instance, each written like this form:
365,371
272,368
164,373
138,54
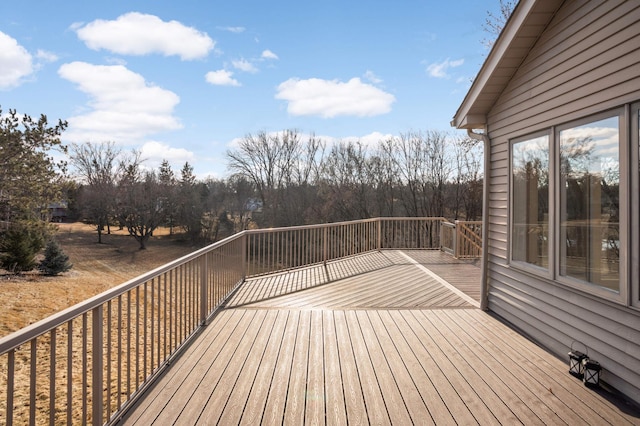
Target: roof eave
472,113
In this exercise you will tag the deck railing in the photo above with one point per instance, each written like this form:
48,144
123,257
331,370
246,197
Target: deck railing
88,363
468,239
462,239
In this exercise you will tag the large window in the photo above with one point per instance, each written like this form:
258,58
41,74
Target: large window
574,196
530,205
590,202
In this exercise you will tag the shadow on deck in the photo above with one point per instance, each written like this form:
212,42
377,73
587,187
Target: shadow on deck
390,337
364,281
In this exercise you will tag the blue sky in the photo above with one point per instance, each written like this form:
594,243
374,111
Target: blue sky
184,80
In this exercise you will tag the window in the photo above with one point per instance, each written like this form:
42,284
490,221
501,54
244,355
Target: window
572,189
589,232
530,205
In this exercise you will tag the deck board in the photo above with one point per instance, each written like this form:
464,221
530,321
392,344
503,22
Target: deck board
433,387
335,409
505,405
372,393
386,344
277,395
550,374
444,357
501,361
352,387
296,393
394,368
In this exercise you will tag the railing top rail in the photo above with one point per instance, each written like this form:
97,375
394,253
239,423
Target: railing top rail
344,223
27,333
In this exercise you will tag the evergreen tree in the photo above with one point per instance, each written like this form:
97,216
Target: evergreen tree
191,208
168,187
20,244
28,172
55,260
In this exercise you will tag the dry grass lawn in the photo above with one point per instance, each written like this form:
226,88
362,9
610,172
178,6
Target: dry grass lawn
96,267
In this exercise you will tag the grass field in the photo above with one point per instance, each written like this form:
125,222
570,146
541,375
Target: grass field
97,267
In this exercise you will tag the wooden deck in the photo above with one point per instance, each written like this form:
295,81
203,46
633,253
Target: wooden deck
374,339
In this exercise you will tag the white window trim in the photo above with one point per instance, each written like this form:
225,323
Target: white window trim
519,264
634,215
629,153
621,296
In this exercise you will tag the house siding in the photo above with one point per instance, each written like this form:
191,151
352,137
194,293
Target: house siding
586,61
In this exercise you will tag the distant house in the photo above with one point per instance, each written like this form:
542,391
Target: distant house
557,103
58,211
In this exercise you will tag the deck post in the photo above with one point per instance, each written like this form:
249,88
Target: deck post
379,234
244,260
325,245
97,365
203,289
456,238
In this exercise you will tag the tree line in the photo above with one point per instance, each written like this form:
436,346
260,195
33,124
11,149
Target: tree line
300,180
281,179
275,179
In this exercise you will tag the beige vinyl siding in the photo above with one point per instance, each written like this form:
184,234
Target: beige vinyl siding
586,61
574,75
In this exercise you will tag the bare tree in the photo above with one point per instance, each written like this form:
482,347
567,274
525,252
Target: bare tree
241,201
424,167
215,221
494,23
96,165
139,199
465,199
385,177
347,182
278,164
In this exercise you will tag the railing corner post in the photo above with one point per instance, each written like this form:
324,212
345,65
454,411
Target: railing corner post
456,239
379,234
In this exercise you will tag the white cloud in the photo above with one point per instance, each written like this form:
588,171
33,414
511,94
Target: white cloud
370,140
370,76
331,98
123,106
15,62
439,70
235,30
46,56
140,34
267,54
244,65
111,60
221,78
154,152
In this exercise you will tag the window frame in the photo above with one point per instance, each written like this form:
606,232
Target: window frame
634,214
620,296
628,293
547,271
